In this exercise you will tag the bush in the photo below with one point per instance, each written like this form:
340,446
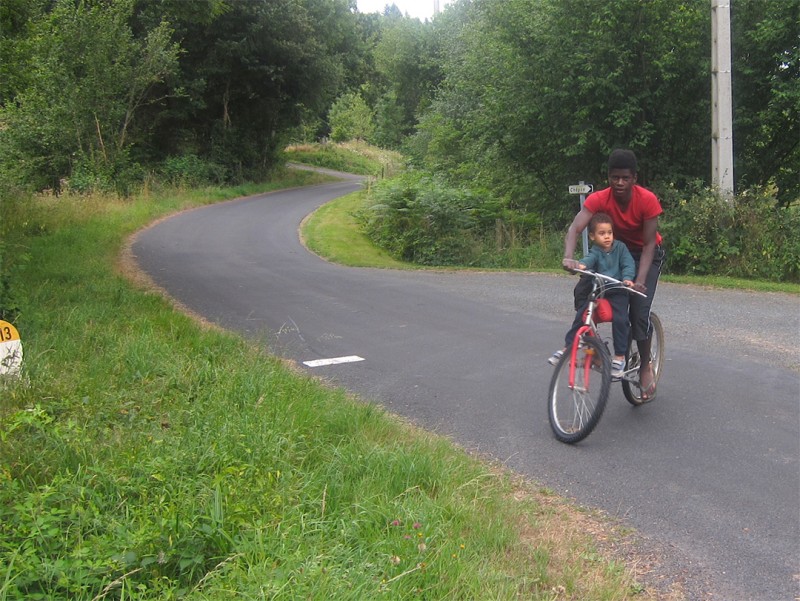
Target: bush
418,219
189,170
88,175
750,236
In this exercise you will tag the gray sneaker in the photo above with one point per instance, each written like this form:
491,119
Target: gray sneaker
617,369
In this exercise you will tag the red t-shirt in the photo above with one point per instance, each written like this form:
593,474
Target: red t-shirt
628,224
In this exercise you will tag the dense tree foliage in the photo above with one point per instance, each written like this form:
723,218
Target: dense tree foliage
766,76
535,95
512,100
96,89
250,72
85,78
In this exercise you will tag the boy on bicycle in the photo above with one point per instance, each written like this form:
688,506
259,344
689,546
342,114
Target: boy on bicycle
612,258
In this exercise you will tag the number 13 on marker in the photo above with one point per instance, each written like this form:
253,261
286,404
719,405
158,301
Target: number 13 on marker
10,349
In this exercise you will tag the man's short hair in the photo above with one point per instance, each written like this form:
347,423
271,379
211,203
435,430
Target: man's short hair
623,159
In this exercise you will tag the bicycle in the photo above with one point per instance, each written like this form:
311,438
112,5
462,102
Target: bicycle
582,379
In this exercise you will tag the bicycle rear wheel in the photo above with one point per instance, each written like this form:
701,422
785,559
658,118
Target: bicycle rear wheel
576,409
631,388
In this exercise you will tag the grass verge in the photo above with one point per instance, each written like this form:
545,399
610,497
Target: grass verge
333,233
143,456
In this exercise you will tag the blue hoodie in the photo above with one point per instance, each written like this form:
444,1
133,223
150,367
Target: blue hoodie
616,263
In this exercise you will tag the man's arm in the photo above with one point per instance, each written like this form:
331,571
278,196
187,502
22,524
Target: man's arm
649,230
627,264
578,224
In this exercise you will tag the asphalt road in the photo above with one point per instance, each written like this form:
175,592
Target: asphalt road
708,473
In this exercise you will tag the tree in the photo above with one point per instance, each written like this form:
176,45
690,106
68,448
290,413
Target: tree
251,72
350,119
534,96
87,78
405,60
766,83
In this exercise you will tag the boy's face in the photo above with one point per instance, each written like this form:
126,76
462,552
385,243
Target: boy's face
603,236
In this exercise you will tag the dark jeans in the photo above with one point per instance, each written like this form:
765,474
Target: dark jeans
621,327
639,307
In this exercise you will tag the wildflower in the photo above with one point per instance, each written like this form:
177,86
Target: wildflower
422,547
396,522
395,560
417,526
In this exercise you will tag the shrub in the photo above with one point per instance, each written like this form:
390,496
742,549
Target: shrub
750,236
89,175
189,170
419,219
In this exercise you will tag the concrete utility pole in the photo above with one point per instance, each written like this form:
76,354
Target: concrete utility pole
721,103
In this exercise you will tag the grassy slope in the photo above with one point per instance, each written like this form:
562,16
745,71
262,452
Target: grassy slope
143,456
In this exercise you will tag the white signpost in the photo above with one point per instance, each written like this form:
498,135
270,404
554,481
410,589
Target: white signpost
10,350
583,190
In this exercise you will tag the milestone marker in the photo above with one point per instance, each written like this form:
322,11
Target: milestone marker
10,350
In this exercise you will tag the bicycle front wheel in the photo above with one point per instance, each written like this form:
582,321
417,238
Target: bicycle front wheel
579,391
631,389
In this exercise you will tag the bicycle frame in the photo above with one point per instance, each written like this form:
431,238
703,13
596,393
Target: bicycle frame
574,357
577,397
589,326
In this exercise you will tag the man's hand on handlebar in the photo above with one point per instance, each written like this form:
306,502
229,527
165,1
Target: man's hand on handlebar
571,264
640,288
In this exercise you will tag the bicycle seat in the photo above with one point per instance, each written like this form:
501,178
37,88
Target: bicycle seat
602,312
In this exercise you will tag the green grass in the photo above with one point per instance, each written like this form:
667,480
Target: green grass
333,233
145,456
734,283
350,157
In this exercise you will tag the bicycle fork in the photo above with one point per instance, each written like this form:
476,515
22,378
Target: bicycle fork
587,364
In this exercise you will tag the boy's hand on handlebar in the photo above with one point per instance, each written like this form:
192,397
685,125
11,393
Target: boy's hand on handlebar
629,283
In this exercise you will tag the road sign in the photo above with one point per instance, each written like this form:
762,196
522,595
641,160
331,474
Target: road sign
581,189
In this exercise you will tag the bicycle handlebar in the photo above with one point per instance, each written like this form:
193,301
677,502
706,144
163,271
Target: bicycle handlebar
608,278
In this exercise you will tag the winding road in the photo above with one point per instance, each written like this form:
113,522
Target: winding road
709,473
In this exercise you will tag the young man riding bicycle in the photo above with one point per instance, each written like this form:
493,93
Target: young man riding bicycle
634,211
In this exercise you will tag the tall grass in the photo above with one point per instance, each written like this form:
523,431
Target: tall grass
350,157
143,456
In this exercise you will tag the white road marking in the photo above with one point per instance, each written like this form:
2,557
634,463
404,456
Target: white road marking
333,361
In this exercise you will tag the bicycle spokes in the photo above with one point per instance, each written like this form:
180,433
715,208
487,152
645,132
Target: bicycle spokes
579,390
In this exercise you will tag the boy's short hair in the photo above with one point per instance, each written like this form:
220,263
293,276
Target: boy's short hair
623,159
599,218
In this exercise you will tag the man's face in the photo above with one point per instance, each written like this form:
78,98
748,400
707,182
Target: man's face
621,182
